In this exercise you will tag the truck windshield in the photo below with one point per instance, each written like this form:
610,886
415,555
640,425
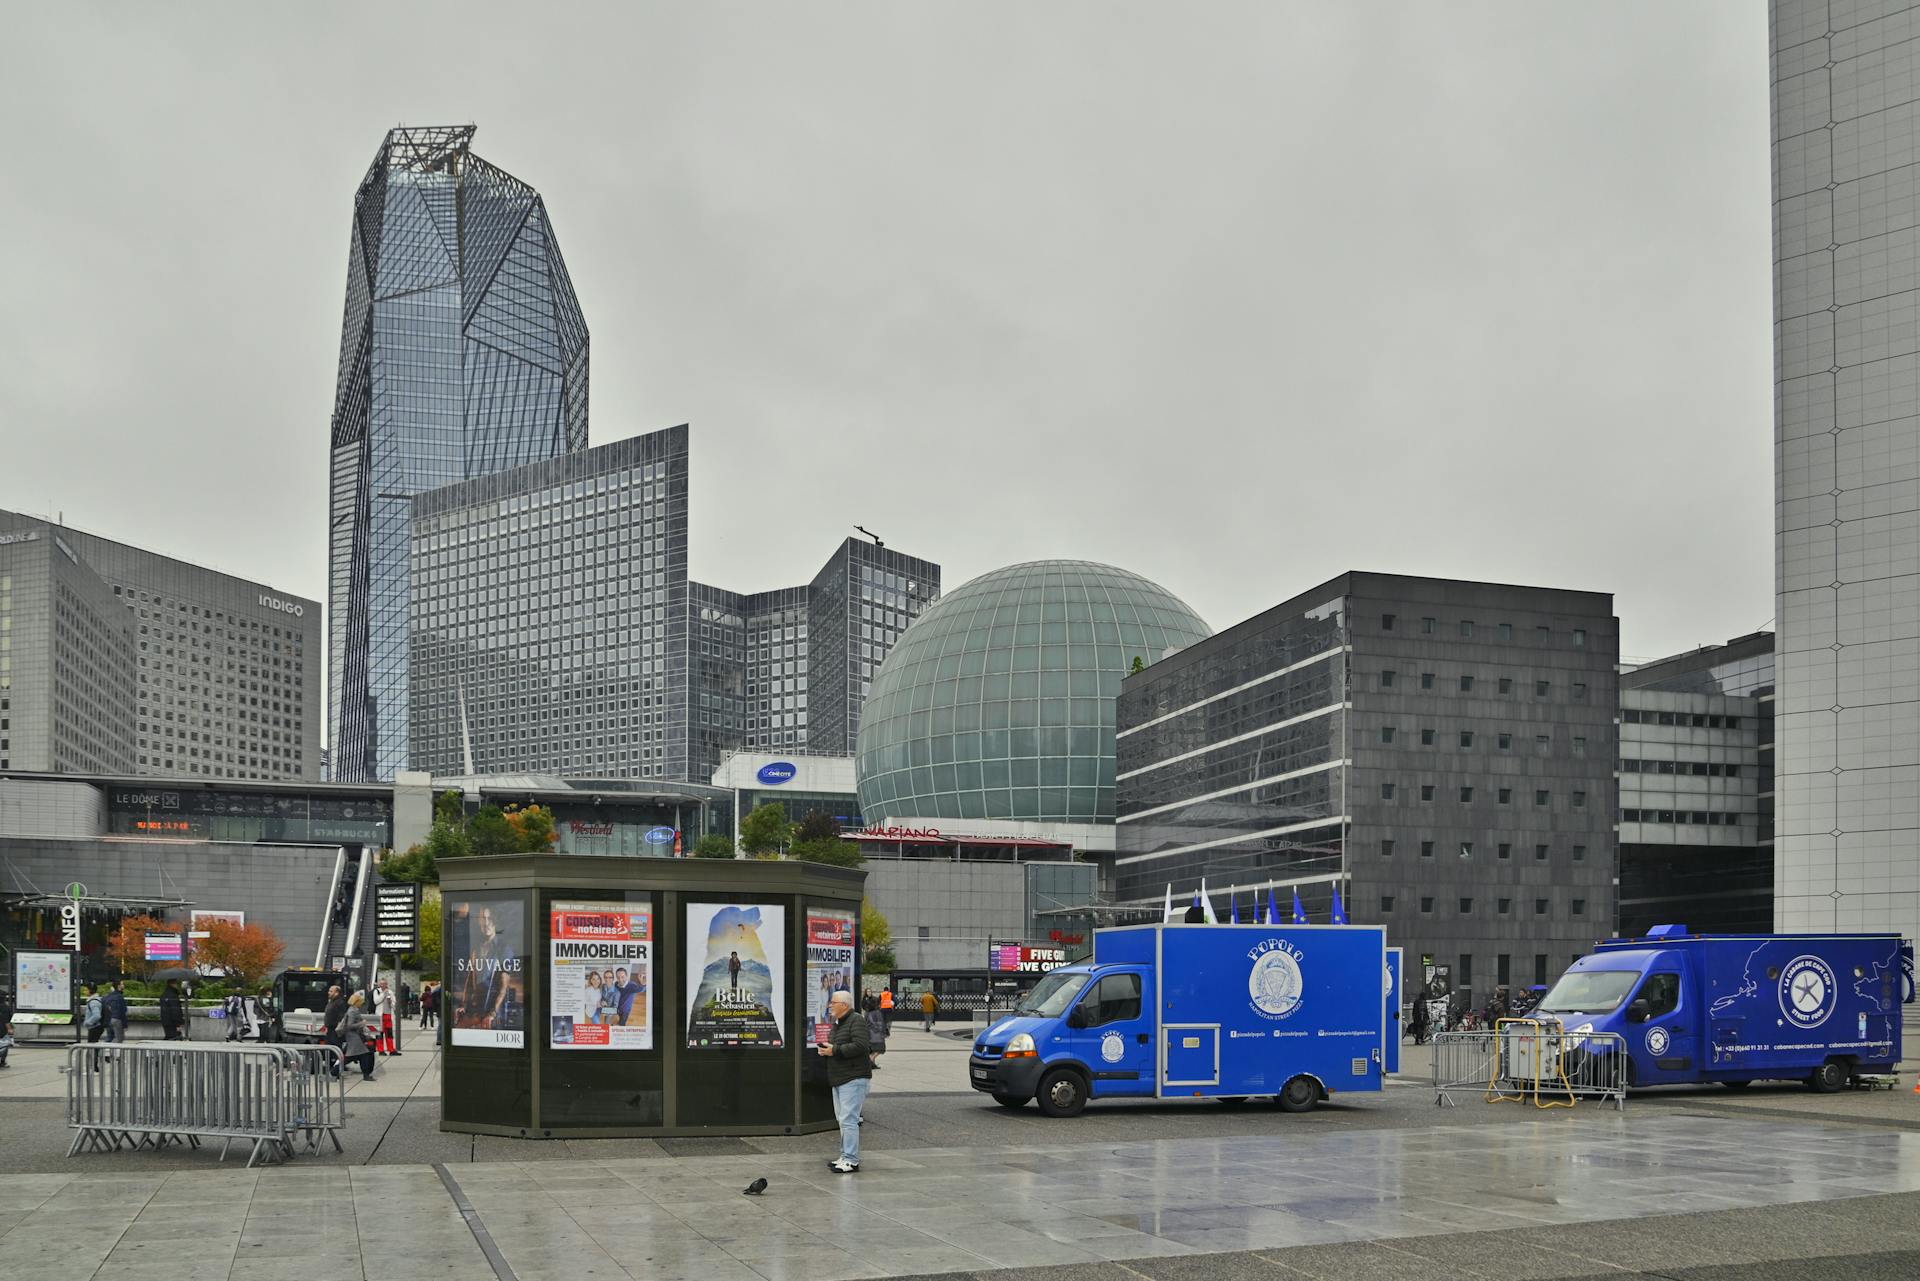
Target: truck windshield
1589,992
1051,996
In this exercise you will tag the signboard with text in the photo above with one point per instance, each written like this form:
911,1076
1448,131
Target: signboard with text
1024,958
396,917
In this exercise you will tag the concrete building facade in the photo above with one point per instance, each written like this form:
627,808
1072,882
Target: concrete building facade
1846,218
1441,752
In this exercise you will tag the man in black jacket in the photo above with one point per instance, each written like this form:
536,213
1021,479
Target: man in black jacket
173,1011
849,1055
336,1013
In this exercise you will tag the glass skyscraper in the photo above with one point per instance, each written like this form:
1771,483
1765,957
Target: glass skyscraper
463,353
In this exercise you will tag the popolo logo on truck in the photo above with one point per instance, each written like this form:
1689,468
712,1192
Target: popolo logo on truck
1275,984
1807,991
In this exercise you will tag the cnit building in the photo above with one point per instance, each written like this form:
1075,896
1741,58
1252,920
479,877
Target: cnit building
1441,752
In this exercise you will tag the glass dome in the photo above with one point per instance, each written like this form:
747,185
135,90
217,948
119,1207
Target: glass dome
997,703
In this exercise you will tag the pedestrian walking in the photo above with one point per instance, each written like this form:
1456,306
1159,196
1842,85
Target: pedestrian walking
93,1018
115,1002
357,1035
330,1021
235,1012
1421,1019
6,1024
929,1006
383,1019
876,1030
886,1005
430,1005
268,1015
173,1011
849,1055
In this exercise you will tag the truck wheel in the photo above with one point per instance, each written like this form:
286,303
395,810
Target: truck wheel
1830,1077
1009,1101
1298,1095
1062,1093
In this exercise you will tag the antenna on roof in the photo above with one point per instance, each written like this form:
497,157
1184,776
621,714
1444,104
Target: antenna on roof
870,534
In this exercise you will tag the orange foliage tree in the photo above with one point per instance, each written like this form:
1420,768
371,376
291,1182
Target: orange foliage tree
533,826
248,953
127,945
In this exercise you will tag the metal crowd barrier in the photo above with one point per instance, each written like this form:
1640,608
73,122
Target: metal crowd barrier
1530,1060
149,1094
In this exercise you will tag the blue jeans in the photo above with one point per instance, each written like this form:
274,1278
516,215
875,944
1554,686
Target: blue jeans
847,1100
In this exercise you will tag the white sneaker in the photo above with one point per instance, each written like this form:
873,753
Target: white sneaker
844,1166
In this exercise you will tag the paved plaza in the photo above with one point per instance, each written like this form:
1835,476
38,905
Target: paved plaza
1773,1182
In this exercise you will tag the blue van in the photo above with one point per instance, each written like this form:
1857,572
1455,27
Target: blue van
1819,1008
1200,1011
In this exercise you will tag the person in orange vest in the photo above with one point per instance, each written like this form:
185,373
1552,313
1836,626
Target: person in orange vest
886,1005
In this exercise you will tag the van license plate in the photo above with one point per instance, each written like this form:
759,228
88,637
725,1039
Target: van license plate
981,1074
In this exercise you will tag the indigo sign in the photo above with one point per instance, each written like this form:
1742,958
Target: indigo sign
660,836
775,773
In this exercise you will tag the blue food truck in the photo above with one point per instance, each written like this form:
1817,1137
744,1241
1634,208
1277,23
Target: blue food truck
1224,1012
1690,1008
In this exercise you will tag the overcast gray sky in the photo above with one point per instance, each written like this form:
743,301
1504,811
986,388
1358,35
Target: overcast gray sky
1236,296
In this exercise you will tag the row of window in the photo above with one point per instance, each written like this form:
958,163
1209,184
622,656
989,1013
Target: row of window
1503,795
1695,720
1702,769
1541,850
1502,906
1692,818
1542,743
1468,684
1501,631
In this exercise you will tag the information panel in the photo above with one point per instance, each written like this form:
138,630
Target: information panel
736,975
600,980
43,986
396,917
829,966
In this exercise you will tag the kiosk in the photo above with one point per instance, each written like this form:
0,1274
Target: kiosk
592,997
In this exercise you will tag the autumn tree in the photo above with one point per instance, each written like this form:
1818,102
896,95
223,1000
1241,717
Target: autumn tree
127,944
533,828
248,953
427,959
876,940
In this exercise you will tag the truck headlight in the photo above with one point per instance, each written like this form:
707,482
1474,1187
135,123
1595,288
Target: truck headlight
1021,1047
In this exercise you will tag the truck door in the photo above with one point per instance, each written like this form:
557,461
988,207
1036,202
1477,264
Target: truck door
1112,1033
1665,1046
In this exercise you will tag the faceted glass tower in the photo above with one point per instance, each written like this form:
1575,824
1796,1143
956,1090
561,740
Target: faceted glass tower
463,353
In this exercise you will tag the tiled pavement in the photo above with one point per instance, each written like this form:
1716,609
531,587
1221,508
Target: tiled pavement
963,1210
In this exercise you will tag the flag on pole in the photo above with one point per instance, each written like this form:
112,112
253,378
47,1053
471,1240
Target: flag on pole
1206,903
1339,908
1273,908
1299,913
1167,915
1233,905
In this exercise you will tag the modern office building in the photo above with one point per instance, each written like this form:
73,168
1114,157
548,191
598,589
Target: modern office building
858,605
1441,752
214,680
1846,136
463,353
798,783
1696,790
555,629
997,706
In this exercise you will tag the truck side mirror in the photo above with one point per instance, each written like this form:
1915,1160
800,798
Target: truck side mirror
1639,1011
1077,1016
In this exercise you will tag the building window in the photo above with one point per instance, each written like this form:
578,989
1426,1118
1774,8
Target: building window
1426,738
1505,742
1542,743
1579,689
1506,849
1466,849
1386,622
1506,684
1579,800
1426,849
1426,680
1506,631
1539,907
1427,626
1386,902
1579,638
1386,680
1503,969
1386,848
1386,791
1505,795
1426,791
1540,968
1579,907
1466,794
1466,683
1542,796
1466,627
1540,688
1426,903
1579,853
1466,738
1466,906
1579,746
1386,733
1506,906
1543,633
1540,852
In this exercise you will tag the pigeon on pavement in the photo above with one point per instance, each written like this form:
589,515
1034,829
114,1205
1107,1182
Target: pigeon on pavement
755,1188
